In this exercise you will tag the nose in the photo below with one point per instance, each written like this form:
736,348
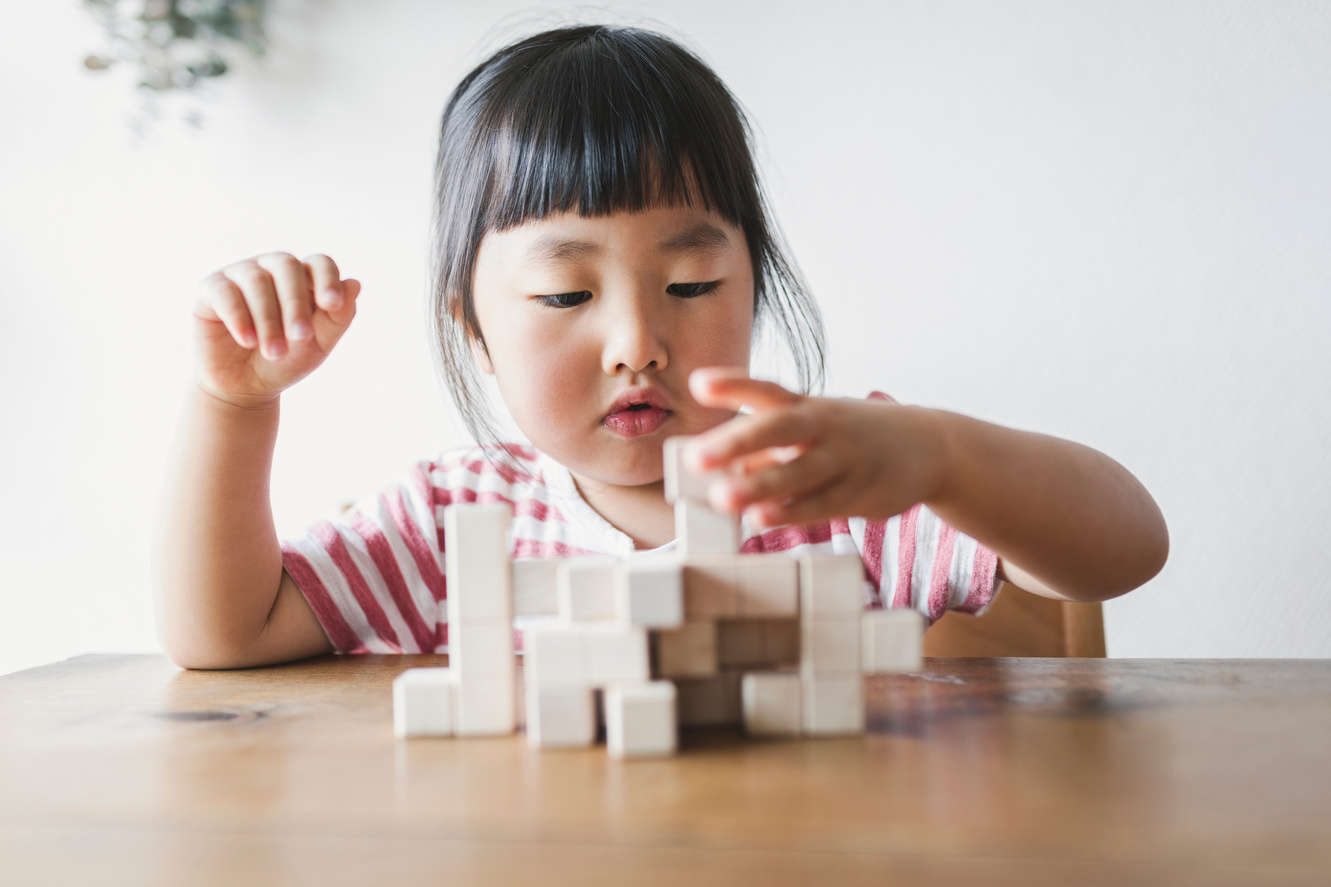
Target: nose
634,338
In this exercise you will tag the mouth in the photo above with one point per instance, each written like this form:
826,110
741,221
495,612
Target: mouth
637,412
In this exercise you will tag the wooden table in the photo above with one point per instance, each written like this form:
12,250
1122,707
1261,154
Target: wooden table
126,770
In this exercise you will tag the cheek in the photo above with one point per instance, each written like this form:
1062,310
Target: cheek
541,376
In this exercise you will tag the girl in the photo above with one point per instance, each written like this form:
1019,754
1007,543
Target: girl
603,249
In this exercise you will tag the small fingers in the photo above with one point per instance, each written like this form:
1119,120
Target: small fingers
748,434
776,484
294,298
261,299
224,301
731,388
809,509
326,281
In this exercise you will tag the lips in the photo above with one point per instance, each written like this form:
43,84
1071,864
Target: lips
637,411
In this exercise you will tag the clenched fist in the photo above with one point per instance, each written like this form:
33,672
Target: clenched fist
263,324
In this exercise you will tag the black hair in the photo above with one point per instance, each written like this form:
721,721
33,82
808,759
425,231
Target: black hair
599,120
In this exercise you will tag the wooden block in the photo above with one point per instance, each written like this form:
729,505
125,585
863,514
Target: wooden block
423,703
770,702
687,651
831,586
561,717
749,644
832,706
613,654
478,576
534,587
478,532
710,587
710,702
830,648
741,644
484,707
768,586
650,592
700,530
586,588
481,650
553,656
781,641
891,641
640,720
679,481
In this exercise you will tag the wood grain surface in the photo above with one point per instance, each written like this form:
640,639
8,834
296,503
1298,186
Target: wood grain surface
127,770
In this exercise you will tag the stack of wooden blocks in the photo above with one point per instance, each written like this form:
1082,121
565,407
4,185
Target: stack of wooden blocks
703,636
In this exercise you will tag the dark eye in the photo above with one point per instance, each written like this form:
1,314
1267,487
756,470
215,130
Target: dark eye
565,300
690,290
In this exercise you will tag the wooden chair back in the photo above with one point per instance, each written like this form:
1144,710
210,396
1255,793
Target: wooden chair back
1019,623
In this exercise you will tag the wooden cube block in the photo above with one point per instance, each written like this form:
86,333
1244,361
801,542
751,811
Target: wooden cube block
613,654
768,586
892,641
770,702
650,592
781,641
553,657
831,586
832,706
741,644
830,648
710,587
561,717
534,587
679,481
484,707
479,533
687,651
477,591
711,701
586,588
481,650
640,720
423,703
700,530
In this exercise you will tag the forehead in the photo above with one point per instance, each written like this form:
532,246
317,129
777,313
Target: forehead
563,238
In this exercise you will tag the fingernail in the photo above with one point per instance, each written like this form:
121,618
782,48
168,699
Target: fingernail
277,349
300,330
332,298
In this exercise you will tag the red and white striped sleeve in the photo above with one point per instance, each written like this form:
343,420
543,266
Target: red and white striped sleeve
374,576
916,560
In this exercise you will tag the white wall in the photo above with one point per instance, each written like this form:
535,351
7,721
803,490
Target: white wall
1109,222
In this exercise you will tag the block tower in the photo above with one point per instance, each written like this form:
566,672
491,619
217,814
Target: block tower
703,636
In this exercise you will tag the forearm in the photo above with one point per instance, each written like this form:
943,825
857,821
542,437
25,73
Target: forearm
218,563
1072,519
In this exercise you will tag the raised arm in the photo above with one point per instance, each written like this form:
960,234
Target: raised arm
1066,521
223,600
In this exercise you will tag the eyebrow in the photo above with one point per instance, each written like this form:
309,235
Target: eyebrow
703,238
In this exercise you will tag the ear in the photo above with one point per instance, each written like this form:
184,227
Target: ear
481,356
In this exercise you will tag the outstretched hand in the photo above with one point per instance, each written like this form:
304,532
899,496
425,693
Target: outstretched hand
800,460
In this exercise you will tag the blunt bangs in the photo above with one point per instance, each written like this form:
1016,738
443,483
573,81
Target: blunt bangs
613,125
595,120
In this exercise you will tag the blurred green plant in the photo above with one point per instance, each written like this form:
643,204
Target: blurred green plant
176,45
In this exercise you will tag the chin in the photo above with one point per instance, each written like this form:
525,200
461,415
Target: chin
620,466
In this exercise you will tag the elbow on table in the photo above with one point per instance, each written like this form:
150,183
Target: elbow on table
202,654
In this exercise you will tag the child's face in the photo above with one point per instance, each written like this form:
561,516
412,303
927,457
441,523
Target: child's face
592,326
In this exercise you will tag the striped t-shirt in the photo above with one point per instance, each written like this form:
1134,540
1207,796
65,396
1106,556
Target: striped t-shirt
375,579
